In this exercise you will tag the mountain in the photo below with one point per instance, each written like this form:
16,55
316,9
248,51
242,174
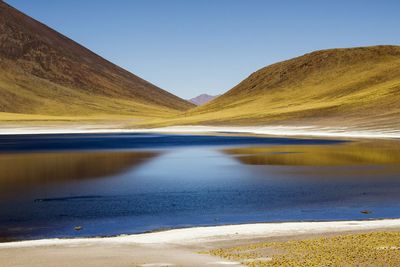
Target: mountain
43,72
202,99
357,87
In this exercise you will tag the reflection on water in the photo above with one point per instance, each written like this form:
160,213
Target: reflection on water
189,181
21,171
345,154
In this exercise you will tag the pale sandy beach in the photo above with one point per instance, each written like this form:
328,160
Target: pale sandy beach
178,247
289,131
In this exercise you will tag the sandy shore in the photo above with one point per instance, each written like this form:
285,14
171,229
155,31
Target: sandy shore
312,131
179,247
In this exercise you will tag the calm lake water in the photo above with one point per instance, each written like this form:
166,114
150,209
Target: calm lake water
111,184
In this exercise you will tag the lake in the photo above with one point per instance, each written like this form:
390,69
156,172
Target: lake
74,185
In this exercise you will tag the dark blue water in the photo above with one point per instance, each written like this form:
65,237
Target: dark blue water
121,184
49,142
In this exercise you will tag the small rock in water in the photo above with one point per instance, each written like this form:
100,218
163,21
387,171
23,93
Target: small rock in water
366,212
78,228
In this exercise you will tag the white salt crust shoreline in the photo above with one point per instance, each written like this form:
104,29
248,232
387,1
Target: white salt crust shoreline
312,131
187,236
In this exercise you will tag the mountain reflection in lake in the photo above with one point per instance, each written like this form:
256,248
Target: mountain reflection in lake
180,181
353,153
21,172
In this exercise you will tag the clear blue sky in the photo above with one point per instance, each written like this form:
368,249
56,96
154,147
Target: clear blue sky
190,47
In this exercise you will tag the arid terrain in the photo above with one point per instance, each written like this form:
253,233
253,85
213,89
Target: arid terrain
353,87
76,200
287,244
47,76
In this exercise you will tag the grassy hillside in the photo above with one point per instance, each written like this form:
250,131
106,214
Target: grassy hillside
43,72
341,87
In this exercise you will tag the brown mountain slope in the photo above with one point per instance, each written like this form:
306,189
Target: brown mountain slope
44,72
340,87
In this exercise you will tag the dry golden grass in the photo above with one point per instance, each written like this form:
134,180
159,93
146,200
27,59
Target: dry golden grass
354,86
43,72
371,249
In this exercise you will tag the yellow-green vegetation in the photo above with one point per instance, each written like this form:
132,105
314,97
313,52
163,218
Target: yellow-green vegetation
348,153
17,117
340,87
370,249
46,74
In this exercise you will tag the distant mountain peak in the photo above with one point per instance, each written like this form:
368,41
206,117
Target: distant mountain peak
202,99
